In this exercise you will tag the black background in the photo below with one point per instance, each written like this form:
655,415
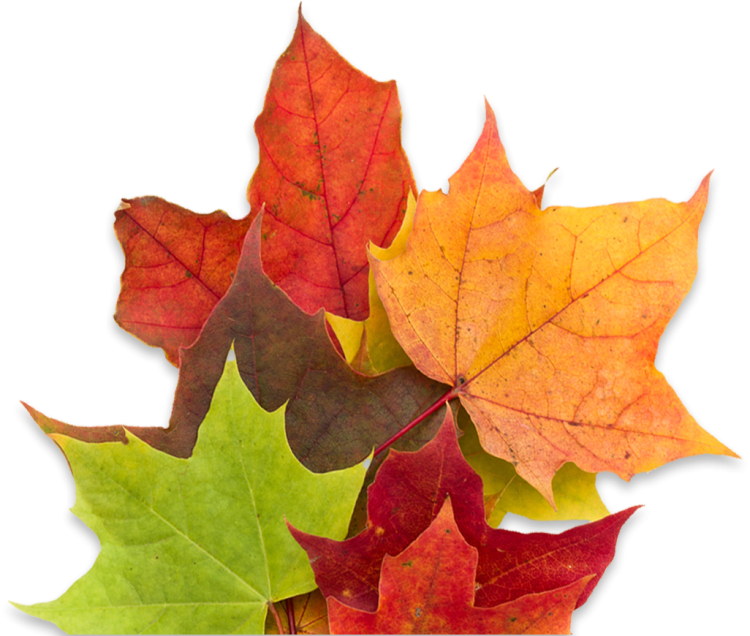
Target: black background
142,103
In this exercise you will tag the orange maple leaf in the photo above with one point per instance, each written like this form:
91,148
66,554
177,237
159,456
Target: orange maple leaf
546,323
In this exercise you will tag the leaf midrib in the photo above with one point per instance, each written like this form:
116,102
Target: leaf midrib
583,294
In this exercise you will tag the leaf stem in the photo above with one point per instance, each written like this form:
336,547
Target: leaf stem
448,396
289,604
272,607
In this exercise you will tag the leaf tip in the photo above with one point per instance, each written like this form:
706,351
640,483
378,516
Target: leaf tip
29,409
705,181
124,205
700,197
538,194
634,508
298,535
489,113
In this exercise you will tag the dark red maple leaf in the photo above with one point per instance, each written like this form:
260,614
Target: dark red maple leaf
429,589
409,490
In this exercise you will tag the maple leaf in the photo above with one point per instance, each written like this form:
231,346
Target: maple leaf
331,172
197,545
420,594
547,323
332,175
178,265
404,499
334,416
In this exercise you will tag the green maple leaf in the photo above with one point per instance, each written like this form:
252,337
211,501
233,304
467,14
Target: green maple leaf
198,545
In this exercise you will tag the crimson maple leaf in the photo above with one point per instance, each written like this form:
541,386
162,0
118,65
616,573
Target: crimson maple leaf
409,490
429,589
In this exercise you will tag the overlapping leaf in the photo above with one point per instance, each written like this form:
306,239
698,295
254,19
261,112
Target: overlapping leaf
178,265
197,545
404,499
335,417
369,346
309,614
420,594
547,323
332,175
504,491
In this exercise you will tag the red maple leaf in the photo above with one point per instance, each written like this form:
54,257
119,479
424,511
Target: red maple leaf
405,498
429,589
332,175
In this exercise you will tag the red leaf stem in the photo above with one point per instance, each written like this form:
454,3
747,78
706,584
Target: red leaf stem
289,604
395,437
276,616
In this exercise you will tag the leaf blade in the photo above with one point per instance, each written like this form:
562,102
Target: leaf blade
200,542
418,594
332,175
547,322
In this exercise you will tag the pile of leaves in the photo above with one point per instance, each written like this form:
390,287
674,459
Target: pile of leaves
369,381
